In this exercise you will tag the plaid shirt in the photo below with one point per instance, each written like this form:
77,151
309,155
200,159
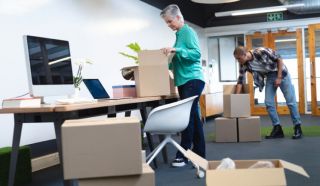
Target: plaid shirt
267,60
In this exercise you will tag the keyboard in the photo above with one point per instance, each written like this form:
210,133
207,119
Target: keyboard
74,100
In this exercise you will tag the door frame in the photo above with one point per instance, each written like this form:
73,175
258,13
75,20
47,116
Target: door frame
269,41
255,110
315,110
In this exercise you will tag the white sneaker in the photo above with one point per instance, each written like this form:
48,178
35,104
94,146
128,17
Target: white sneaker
178,162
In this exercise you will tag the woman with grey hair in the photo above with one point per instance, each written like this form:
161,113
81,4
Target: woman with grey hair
188,77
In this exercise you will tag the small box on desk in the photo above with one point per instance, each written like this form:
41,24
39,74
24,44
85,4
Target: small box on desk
152,75
235,105
147,178
124,91
101,147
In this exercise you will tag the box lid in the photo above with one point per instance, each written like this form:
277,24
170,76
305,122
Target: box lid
97,122
231,89
294,168
153,58
203,163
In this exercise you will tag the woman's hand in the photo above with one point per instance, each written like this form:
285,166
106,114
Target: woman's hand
168,50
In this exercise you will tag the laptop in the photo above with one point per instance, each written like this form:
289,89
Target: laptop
96,89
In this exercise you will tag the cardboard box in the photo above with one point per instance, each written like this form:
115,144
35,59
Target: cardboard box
124,91
226,129
101,148
143,156
173,88
242,176
249,129
235,105
152,75
147,178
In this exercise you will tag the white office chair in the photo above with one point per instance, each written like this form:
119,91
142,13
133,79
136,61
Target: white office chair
168,120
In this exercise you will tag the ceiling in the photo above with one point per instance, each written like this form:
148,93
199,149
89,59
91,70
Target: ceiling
203,14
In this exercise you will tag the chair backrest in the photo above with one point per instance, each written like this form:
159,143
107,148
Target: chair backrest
170,118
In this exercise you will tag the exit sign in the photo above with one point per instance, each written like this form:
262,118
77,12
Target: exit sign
275,16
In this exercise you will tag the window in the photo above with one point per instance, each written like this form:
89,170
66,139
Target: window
220,53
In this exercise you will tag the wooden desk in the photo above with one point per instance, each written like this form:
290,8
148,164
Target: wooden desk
59,113
211,104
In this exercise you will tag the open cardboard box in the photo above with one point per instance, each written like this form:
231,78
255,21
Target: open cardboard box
242,176
236,105
152,75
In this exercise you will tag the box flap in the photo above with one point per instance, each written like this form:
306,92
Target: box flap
295,168
231,89
195,158
153,58
228,89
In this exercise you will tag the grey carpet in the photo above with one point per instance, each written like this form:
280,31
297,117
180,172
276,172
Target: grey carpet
304,152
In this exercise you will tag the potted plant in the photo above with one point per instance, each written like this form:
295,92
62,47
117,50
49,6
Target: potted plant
77,79
128,73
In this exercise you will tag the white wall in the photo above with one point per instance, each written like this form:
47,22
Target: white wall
96,29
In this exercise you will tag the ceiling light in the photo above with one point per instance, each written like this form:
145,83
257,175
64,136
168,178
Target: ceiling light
214,1
257,10
285,40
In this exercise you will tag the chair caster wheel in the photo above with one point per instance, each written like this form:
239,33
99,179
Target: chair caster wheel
200,174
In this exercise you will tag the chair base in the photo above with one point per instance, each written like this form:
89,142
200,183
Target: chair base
168,139
157,150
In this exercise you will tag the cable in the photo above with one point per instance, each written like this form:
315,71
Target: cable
20,96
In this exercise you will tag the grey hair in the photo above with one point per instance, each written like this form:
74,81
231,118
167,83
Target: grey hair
171,10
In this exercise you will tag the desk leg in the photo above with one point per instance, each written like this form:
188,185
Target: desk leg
57,128
143,113
161,138
15,149
112,115
127,113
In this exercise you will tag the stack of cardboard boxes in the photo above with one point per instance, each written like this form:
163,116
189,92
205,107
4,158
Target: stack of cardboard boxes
105,152
237,125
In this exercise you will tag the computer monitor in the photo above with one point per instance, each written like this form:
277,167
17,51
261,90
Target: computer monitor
48,66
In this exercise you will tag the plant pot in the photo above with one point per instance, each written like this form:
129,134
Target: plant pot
128,73
76,93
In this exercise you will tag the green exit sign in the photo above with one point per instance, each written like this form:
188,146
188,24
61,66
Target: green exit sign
275,16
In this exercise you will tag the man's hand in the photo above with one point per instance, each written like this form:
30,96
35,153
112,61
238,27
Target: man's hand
238,88
168,50
277,82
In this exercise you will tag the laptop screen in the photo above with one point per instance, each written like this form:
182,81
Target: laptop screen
96,88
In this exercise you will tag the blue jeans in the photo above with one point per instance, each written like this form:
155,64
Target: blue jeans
287,89
193,134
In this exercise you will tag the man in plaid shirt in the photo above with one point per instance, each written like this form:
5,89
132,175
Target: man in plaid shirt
265,63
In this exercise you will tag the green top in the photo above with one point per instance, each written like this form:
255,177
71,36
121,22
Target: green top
186,61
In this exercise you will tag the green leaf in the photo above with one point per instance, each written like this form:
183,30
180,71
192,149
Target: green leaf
129,56
135,47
